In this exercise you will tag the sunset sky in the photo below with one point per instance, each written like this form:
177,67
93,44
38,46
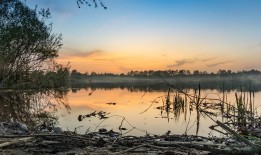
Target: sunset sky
158,34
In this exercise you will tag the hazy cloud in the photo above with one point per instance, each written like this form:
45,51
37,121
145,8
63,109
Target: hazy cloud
219,63
164,55
208,59
111,58
179,63
182,62
86,54
72,53
95,55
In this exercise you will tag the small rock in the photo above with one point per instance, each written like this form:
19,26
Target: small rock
100,142
57,130
21,126
102,130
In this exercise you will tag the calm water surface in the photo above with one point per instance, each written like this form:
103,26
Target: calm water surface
140,110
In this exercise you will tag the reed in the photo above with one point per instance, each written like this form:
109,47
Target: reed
241,115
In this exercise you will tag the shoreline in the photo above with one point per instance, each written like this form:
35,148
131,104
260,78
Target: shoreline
56,141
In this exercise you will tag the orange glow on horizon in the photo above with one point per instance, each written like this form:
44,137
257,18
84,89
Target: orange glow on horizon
122,62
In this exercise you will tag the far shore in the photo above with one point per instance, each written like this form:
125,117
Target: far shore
229,82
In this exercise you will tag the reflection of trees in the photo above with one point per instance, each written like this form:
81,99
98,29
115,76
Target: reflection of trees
242,116
217,82
30,107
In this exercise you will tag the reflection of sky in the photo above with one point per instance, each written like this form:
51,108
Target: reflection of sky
153,34
131,105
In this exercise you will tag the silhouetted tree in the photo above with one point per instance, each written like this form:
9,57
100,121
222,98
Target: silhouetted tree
27,44
182,72
196,72
94,73
222,72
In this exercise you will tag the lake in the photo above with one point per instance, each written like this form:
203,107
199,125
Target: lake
131,111
140,112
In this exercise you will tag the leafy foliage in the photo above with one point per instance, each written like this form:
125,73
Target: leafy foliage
27,44
90,3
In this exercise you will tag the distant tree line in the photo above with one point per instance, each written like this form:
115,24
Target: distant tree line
165,73
156,80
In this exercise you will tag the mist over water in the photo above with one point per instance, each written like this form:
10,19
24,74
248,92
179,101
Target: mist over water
139,108
143,109
219,82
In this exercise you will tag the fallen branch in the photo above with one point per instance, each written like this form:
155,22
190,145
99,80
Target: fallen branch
16,141
50,142
43,135
148,145
175,143
239,137
128,150
214,148
36,135
175,151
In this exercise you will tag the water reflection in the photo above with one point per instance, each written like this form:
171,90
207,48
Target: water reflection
191,111
161,85
32,107
187,111
242,115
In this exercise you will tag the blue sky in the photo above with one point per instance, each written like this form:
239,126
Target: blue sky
158,34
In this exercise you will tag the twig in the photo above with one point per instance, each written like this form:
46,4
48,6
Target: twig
75,129
128,150
133,127
174,143
153,102
49,142
145,92
174,150
121,125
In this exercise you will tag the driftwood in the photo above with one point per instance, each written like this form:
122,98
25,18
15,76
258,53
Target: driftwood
45,135
43,143
239,137
128,150
255,147
173,150
16,141
49,142
213,148
175,143
167,144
